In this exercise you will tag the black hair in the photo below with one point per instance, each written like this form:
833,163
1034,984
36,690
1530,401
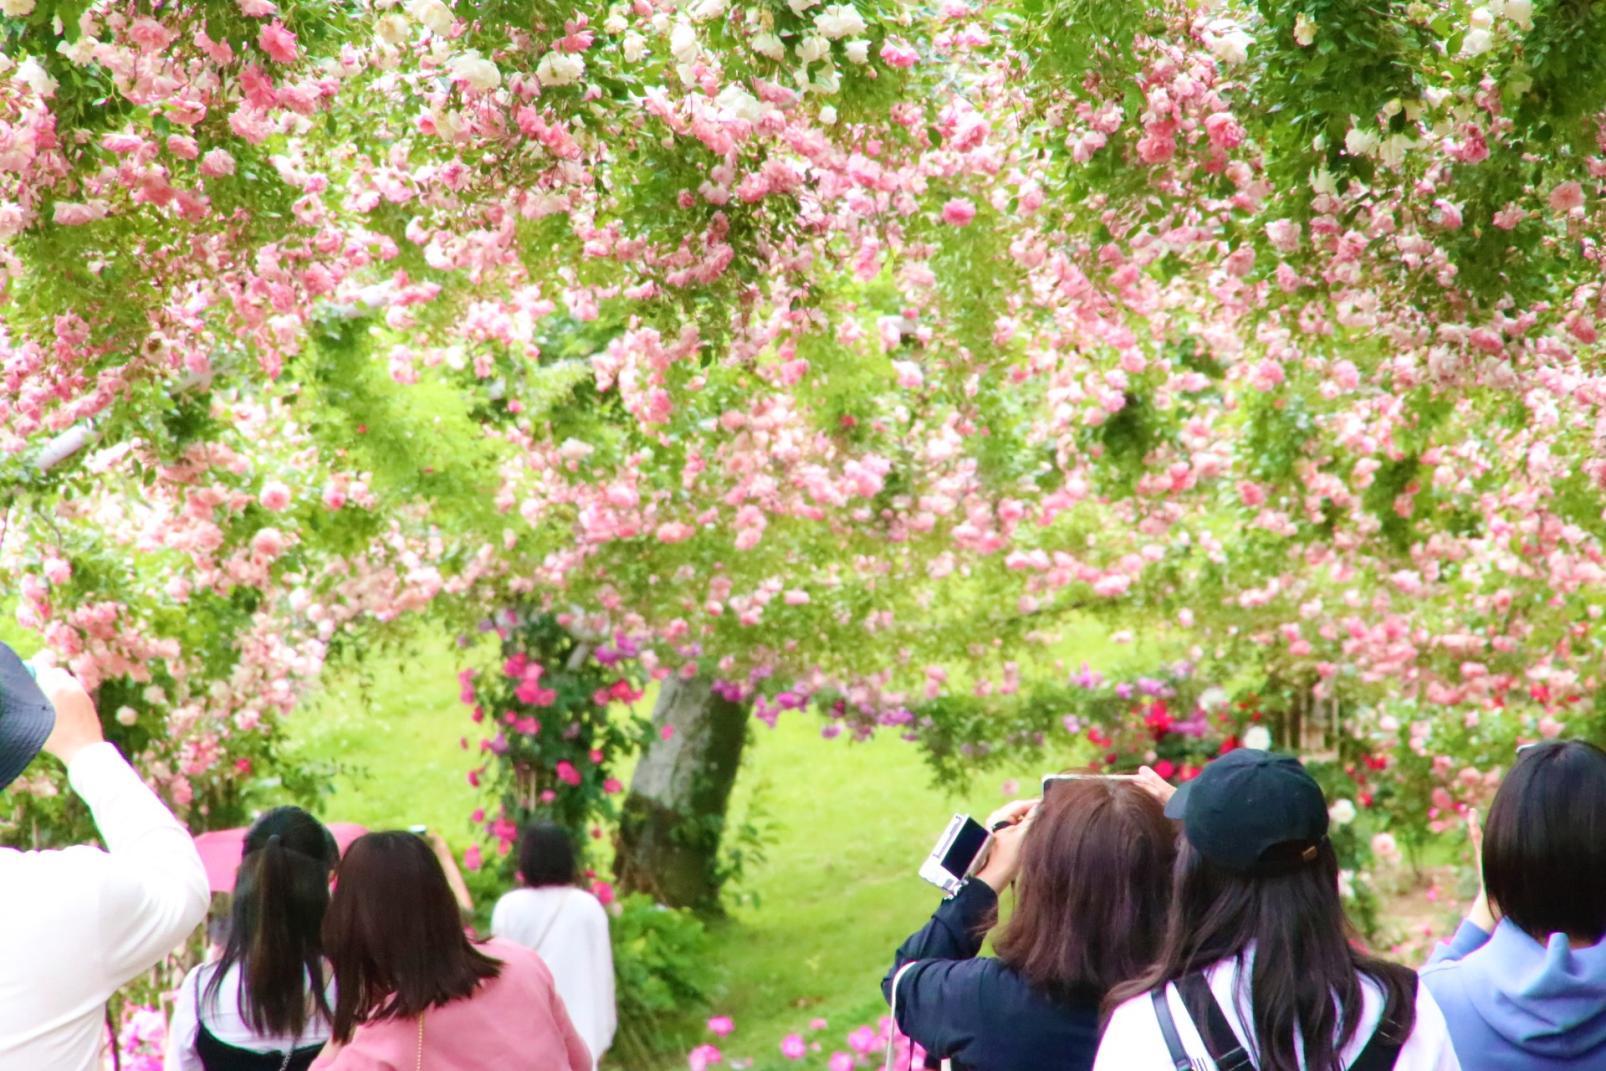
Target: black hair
280,895
1544,846
1305,982
547,856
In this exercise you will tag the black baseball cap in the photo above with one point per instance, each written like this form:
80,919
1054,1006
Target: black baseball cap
1252,812
26,716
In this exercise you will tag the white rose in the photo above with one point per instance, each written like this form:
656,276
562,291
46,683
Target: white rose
704,10
473,68
1213,698
392,29
1322,181
839,21
616,24
858,50
127,715
1231,47
31,73
1304,30
1360,142
1346,884
739,104
1342,813
769,46
1393,150
17,8
827,116
559,69
826,82
1258,738
433,14
1481,17
800,6
1476,42
813,47
634,46
80,53
1521,12
683,43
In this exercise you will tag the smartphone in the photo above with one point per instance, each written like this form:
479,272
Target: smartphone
957,853
1052,779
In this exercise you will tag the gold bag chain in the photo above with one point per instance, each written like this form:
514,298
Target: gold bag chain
419,1064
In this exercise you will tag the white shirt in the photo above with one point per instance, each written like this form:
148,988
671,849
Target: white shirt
569,928
1133,1039
225,1021
80,922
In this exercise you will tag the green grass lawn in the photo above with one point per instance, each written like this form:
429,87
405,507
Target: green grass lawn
846,826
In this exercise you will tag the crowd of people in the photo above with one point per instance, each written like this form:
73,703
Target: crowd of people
1195,927
1226,947
330,962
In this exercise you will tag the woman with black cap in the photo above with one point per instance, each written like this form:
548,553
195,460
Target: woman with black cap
1258,970
264,1005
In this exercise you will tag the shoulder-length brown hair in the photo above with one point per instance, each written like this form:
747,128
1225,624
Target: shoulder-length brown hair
1094,884
393,935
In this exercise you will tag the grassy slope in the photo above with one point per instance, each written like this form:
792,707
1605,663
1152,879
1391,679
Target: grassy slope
847,825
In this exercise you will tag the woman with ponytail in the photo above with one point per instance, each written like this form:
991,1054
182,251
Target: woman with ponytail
263,1005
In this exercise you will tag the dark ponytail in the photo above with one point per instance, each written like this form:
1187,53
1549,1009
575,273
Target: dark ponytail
280,896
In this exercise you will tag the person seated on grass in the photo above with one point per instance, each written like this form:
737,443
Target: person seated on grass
567,926
1259,968
1523,981
411,989
1091,866
81,922
263,1004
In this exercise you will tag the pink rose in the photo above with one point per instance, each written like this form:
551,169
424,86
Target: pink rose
896,53
703,1057
567,773
793,1047
721,1026
958,212
1566,197
840,1061
334,496
217,163
278,42
267,544
258,9
275,496
57,571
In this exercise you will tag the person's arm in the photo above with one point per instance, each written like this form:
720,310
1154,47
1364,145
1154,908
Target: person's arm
181,1028
454,876
149,883
606,1011
1476,928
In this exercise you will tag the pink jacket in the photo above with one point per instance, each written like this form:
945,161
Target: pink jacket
514,1022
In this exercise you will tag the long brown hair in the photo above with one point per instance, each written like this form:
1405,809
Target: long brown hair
394,936
1090,902
1305,983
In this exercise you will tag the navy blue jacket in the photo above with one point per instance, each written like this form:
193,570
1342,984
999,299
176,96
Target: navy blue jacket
978,1012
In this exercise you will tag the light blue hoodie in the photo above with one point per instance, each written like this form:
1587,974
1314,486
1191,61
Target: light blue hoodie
1513,1004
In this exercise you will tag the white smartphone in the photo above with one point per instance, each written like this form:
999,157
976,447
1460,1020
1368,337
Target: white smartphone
1052,779
957,854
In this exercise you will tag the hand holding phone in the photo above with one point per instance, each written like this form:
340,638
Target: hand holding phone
956,854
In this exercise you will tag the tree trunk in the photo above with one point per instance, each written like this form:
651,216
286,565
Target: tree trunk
672,821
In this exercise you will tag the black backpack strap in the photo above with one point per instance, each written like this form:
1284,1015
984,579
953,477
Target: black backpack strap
1168,1029
1220,1042
1383,1050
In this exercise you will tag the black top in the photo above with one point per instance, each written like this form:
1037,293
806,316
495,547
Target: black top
978,1012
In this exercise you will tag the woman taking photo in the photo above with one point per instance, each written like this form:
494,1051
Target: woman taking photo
263,1005
551,915
1093,861
413,992
1528,992
1258,969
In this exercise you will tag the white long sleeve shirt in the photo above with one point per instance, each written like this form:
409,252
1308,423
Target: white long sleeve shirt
76,924
568,927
